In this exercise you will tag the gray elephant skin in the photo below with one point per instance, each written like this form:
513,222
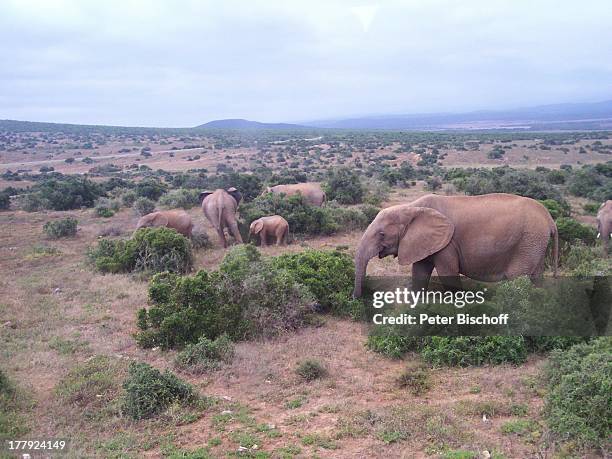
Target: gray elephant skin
604,224
312,192
273,225
487,238
176,219
219,208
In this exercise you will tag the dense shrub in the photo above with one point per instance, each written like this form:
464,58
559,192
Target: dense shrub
32,202
5,200
304,218
128,198
149,392
328,276
143,206
571,231
556,208
65,227
151,250
474,350
579,400
504,180
106,207
151,189
206,354
310,370
549,343
181,198
392,345
453,351
248,297
64,193
577,255
343,185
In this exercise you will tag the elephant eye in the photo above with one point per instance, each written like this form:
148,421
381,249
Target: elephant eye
381,233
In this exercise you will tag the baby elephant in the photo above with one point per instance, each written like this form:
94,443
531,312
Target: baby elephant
176,219
272,225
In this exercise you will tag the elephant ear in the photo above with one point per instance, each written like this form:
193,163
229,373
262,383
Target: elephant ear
427,232
160,220
203,194
234,193
257,226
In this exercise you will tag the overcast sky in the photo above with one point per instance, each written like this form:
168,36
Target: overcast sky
182,63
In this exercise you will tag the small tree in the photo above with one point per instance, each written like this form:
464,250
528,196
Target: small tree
344,186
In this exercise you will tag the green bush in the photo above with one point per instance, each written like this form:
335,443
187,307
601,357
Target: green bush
310,370
32,202
343,185
106,207
571,231
127,198
151,189
248,297
452,351
549,343
65,227
474,350
556,209
302,218
149,392
579,399
151,250
181,198
63,193
329,276
392,345
577,255
206,354
590,208
143,206
370,212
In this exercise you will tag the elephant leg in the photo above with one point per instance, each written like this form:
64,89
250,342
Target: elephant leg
421,273
280,234
263,235
222,237
233,227
446,263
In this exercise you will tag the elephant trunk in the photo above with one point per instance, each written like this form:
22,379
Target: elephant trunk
365,251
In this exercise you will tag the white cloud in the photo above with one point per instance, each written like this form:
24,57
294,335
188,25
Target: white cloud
182,63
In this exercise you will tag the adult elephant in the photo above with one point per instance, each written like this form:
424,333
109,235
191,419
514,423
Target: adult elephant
488,238
219,207
176,219
604,224
312,192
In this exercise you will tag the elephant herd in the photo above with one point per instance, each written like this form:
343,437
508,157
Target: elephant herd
220,208
488,238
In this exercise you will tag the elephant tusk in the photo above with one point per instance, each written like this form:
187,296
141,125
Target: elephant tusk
598,234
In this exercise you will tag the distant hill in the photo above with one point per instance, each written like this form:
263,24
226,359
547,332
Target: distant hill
588,116
245,124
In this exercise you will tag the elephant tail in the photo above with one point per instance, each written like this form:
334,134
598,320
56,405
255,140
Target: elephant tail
555,235
220,218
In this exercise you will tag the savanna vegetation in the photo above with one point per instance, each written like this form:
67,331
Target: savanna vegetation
148,343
